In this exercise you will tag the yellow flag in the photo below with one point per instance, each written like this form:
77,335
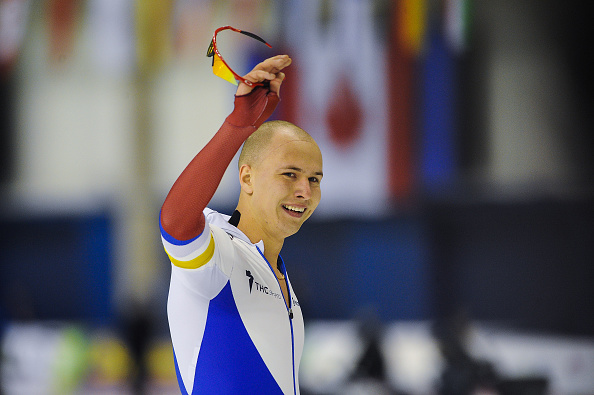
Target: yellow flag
412,21
153,33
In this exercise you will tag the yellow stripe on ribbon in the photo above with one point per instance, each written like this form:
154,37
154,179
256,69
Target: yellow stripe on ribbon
197,262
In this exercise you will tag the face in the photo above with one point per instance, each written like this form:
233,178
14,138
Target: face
286,185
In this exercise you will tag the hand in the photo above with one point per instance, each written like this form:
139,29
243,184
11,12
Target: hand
268,70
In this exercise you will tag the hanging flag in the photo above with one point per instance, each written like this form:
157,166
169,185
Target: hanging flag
13,24
410,23
193,24
406,38
456,24
112,34
336,90
153,33
439,87
63,16
437,115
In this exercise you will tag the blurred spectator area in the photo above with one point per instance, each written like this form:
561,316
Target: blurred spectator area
529,265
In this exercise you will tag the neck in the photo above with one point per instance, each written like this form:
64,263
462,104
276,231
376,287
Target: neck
271,255
272,245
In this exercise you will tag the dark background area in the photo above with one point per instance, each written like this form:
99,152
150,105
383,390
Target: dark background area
526,266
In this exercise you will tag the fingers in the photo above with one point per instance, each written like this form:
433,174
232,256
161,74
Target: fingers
275,84
259,76
268,70
274,64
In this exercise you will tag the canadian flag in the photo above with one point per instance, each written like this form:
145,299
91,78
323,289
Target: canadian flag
336,89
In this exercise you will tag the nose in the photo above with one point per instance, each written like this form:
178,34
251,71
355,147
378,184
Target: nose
303,189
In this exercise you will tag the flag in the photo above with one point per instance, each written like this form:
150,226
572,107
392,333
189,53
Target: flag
337,91
13,25
111,23
406,35
62,23
438,99
153,33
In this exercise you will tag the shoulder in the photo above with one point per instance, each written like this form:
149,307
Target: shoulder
221,221
215,218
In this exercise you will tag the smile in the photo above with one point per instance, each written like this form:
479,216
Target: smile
294,209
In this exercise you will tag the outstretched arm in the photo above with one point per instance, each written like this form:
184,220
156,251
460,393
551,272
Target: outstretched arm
181,214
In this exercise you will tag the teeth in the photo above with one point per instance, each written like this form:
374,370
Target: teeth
296,209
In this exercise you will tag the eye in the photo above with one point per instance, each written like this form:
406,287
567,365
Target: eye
290,174
314,180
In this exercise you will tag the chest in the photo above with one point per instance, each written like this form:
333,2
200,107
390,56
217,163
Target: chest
257,289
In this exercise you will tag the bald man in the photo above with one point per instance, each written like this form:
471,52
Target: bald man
235,322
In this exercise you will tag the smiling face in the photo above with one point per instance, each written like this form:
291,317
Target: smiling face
282,188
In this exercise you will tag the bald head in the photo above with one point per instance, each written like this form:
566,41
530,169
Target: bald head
258,143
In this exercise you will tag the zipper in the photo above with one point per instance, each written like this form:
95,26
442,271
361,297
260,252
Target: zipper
289,308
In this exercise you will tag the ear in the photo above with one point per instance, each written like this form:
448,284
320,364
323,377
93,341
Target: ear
246,179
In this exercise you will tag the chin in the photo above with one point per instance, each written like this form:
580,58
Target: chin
290,231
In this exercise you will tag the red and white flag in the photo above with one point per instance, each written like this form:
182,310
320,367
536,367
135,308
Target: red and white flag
338,93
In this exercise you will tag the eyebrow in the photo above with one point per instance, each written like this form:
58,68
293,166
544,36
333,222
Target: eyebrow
317,173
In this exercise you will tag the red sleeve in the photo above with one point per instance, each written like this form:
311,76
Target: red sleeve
181,214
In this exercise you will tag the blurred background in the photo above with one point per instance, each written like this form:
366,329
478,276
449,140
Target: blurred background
452,253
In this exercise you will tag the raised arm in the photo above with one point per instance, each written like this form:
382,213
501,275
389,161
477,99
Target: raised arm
181,214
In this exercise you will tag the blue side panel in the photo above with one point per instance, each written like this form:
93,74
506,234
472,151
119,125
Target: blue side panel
229,362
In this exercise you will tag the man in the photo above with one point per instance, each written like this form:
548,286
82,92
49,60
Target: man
235,323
